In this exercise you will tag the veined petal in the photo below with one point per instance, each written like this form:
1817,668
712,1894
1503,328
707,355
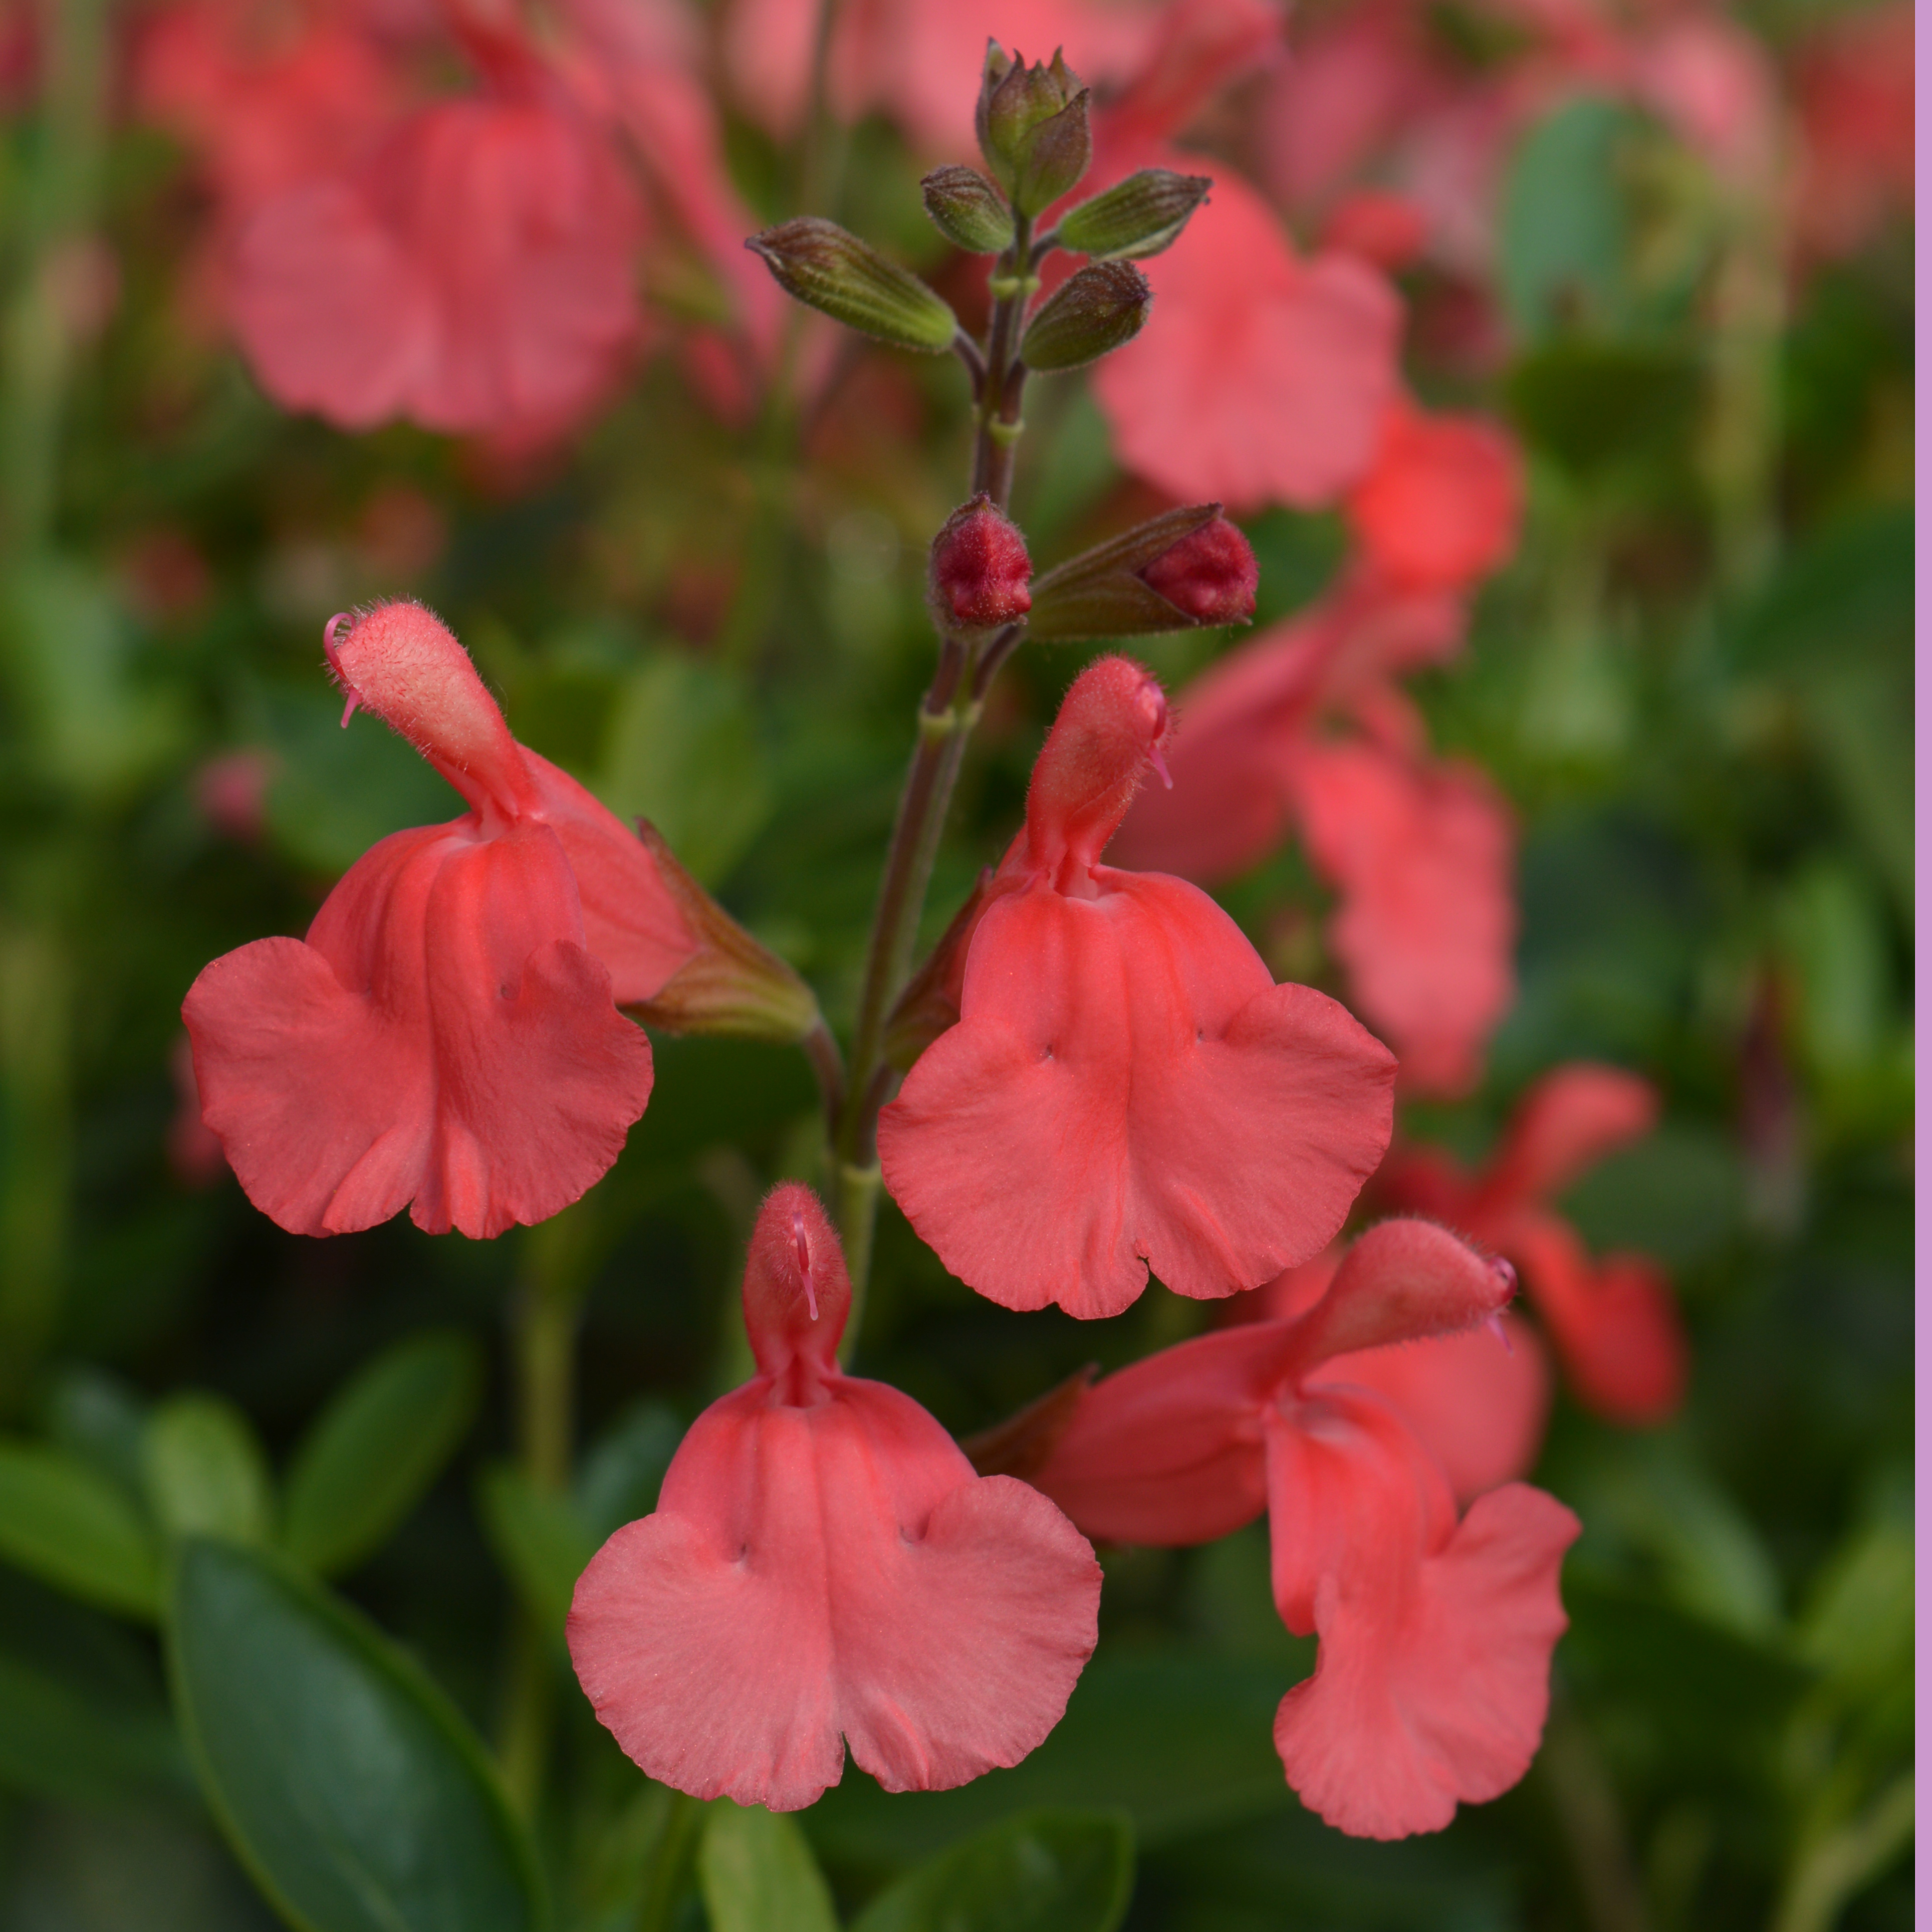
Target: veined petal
1126,1088
836,1568
441,1036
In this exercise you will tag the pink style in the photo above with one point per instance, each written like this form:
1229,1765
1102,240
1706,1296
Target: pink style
1431,1683
1126,1087
823,1561
448,1033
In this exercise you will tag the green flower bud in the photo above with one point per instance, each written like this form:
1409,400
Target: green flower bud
823,265
966,208
1094,311
1135,218
1032,128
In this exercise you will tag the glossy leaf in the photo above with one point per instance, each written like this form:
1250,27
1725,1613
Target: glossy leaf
203,1469
67,1524
345,1781
1039,1871
372,1453
757,1874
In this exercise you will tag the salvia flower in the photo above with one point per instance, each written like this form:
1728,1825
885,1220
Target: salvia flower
1431,1683
823,1560
1614,1321
1126,1088
448,1033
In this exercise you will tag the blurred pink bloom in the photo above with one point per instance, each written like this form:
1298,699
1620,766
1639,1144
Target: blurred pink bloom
1614,1322
1423,858
823,1559
1262,376
1422,854
232,789
1440,508
1854,83
1126,1087
475,272
1432,1681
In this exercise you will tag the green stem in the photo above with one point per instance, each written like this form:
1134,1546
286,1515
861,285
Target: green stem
946,718
544,1312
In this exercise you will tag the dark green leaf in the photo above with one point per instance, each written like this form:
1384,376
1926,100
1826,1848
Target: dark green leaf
1041,1871
82,1715
345,1781
64,1522
373,1452
757,1874
1564,226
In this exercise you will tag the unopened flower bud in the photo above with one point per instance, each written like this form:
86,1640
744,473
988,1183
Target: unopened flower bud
822,264
967,209
1186,569
1135,218
733,986
1095,311
980,570
1210,575
1032,128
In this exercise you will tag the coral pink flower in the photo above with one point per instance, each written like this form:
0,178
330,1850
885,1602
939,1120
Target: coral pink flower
1424,859
1481,1401
1440,509
446,1034
1432,1680
475,274
1264,377
823,1560
1614,1322
1126,1087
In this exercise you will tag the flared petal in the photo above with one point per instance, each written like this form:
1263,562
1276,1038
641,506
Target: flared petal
1168,1451
631,922
441,1036
1615,1322
1127,1088
829,1569
1423,858
1432,1681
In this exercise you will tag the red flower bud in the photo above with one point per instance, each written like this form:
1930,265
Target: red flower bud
1210,575
980,570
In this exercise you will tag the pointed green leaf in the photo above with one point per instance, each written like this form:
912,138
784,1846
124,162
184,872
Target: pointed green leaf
345,1781
372,1453
67,1524
757,1873
1038,1871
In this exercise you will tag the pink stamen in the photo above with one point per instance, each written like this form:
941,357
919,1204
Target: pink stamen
1160,766
328,630
1495,1325
804,1247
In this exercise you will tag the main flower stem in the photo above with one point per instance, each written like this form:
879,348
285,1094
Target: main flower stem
946,717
